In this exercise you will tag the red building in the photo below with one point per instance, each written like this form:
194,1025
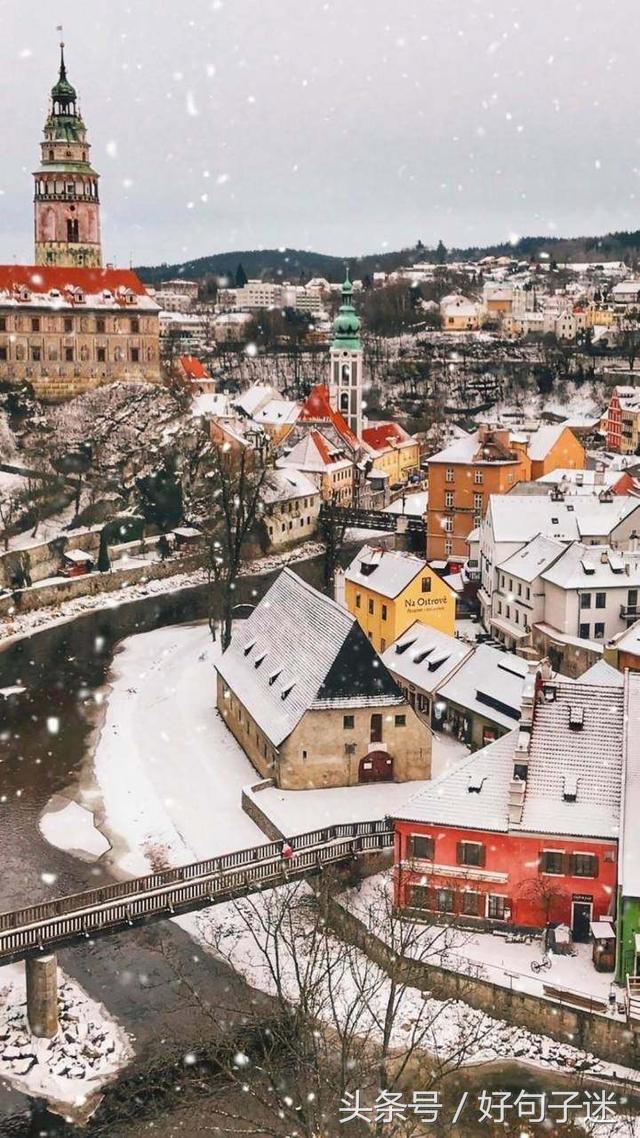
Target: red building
525,831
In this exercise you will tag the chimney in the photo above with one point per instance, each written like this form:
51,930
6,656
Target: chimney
598,478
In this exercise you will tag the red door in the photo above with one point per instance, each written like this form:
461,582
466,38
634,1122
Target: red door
377,766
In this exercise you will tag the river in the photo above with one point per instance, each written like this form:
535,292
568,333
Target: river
44,734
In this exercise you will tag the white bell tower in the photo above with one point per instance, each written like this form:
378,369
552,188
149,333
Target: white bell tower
346,383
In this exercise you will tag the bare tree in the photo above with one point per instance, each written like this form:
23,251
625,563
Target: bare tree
546,895
233,493
339,1022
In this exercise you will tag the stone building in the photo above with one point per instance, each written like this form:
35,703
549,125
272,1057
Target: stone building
66,324
311,704
67,330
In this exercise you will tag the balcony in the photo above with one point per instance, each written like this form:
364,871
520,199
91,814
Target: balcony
629,612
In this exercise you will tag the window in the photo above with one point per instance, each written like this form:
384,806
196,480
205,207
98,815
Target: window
496,907
3,354
348,722
449,474
349,748
35,324
552,861
384,612
419,897
448,548
401,721
585,600
584,865
376,728
135,324
102,355
383,644
304,754
478,477
68,355
36,354
601,600
598,631
3,323
371,607
444,900
426,584
584,631
471,903
448,525
68,324
470,853
135,355
632,598
358,600
73,233
421,845
477,501
448,499
101,325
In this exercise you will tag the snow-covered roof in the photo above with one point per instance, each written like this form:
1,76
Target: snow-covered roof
315,453
489,683
628,640
602,674
413,505
534,557
630,851
587,481
277,411
384,571
254,398
447,800
424,656
280,485
542,440
216,404
300,650
594,566
566,520
475,794
472,448
591,755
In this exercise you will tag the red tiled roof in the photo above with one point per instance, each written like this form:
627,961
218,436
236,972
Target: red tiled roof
43,278
383,434
322,448
193,368
317,408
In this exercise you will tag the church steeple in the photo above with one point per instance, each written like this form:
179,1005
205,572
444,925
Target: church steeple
346,387
66,202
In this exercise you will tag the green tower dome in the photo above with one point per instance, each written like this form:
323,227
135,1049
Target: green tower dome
346,326
63,91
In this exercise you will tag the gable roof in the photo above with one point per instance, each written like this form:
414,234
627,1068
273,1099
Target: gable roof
380,436
43,278
594,566
603,675
591,757
277,411
251,400
534,557
424,656
299,650
317,409
488,682
568,520
282,484
193,367
384,571
544,439
314,452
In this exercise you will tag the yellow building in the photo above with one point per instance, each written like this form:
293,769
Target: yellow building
394,451
387,591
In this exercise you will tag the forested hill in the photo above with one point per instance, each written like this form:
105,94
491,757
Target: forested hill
299,265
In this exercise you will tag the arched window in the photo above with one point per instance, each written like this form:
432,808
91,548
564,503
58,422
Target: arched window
344,401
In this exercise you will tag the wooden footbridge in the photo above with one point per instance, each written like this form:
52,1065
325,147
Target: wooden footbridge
115,908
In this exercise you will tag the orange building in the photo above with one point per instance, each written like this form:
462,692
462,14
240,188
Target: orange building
461,478
491,461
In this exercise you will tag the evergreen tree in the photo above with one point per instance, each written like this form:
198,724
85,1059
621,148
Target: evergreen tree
241,277
104,562
441,252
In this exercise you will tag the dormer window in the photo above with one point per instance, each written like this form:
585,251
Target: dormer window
287,691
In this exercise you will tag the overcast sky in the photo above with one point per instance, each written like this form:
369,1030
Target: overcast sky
345,126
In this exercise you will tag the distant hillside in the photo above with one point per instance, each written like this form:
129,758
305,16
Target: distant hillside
301,264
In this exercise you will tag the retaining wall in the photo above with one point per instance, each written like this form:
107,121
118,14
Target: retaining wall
601,1035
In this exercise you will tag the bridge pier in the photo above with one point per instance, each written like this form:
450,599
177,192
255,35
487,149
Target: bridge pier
42,994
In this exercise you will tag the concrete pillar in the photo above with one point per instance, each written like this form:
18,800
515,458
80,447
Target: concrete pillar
42,994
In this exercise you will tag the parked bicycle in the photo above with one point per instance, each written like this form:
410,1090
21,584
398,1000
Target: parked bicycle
541,965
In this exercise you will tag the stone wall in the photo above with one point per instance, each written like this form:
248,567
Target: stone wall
43,558
56,593
603,1036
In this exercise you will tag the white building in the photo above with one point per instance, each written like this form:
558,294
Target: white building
291,503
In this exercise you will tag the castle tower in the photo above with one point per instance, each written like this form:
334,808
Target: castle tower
345,388
66,202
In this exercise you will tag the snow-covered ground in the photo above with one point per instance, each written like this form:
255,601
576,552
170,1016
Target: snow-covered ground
486,954
88,1050
414,505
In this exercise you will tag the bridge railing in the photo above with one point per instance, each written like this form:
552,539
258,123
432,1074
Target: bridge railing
73,902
